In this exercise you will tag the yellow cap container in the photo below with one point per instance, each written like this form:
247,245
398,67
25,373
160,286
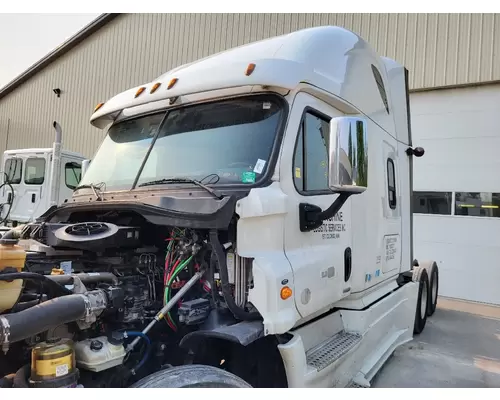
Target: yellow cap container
12,257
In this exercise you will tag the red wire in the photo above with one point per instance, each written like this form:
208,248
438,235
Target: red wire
173,269
167,260
169,322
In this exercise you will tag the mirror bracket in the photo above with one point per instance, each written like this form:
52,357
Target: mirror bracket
417,151
311,217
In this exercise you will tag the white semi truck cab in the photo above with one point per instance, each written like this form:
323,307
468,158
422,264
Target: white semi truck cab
35,179
248,217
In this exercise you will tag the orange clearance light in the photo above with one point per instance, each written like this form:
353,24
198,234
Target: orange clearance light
98,106
139,91
172,83
286,292
250,69
155,87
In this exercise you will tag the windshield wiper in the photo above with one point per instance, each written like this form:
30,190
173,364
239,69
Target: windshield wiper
94,188
183,180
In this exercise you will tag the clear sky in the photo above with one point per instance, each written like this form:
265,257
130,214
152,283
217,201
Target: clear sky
26,38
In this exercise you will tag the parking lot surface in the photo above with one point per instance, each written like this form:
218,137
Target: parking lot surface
459,348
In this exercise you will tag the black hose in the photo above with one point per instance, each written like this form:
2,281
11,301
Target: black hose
24,305
237,311
12,236
27,323
59,289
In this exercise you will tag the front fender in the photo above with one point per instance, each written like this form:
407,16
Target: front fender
243,333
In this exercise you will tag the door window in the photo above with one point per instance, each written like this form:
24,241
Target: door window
310,166
72,174
13,169
34,173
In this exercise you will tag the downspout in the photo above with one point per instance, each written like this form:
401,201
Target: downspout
56,166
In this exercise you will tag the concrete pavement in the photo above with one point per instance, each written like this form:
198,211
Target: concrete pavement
459,348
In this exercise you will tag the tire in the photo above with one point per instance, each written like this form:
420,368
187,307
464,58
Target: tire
7,381
422,302
191,376
21,377
434,290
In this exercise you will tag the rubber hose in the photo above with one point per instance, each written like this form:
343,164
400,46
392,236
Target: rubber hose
237,311
85,278
146,352
60,290
12,236
40,318
22,376
24,305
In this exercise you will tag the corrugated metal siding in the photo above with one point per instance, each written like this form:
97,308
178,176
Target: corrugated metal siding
438,49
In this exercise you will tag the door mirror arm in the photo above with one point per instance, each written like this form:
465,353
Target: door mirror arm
347,144
311,217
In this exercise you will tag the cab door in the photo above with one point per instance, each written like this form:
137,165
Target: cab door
70,176
31,194
13,173
316,257
390,248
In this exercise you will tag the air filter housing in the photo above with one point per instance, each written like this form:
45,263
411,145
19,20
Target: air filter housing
92,236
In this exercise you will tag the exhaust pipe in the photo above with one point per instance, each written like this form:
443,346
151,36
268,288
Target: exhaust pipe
56,166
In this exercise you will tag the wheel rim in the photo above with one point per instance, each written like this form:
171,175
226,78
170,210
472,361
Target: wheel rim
434,291
423,302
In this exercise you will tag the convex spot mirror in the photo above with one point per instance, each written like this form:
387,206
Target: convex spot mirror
348,155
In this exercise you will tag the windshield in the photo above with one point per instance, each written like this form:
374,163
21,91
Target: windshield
231,138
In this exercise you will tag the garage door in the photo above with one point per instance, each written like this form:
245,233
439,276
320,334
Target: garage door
457,189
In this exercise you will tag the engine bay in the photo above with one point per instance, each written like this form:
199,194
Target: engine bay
110,297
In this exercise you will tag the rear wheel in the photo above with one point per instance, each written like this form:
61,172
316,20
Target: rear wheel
192,376
422,302
434,289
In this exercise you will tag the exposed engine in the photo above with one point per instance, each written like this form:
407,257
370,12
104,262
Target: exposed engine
110,301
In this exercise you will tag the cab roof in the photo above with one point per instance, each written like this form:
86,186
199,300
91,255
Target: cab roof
47,150
331,58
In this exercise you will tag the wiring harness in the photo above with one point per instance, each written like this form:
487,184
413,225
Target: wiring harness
179,257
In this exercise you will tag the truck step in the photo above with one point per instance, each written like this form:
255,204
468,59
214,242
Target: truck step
328,352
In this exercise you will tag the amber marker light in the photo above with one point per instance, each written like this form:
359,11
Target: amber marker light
97,107
286,292
139,91
155,87
172,83
250,69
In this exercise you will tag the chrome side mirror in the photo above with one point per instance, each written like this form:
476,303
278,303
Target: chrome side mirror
348,155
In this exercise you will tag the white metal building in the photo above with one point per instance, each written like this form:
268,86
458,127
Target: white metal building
454,64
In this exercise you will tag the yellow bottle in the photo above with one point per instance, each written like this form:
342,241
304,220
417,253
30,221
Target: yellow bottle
11,256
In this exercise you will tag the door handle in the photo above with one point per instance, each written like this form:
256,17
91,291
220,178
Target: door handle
347,263
9,197
33,197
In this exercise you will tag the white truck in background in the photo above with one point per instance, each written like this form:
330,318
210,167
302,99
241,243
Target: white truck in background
35,179
254,228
